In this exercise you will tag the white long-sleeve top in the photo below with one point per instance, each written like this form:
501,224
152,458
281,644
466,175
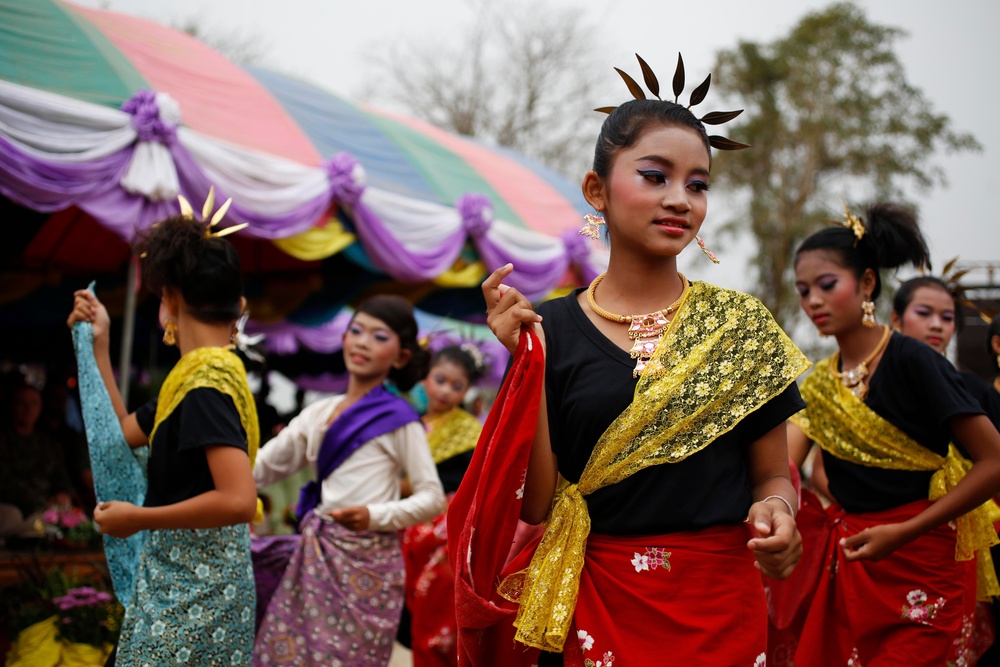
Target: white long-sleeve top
368,477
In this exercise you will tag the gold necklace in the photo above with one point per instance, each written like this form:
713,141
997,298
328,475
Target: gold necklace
854,379
645,330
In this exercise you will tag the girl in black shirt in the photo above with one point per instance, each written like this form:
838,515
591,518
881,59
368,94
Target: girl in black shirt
664,432
884,409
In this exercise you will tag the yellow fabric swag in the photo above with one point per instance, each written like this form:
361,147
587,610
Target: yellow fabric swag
722,357
452,433
843,425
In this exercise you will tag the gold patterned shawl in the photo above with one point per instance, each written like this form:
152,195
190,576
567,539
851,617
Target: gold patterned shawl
213,368
722,357
843,425
453,433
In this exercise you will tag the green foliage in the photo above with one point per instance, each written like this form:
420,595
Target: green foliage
828,107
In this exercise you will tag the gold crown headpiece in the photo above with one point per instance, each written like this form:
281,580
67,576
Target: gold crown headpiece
206,210
697,96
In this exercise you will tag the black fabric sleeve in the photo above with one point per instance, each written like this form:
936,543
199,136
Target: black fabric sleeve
146,416
759,422
985,395
939,387
209,417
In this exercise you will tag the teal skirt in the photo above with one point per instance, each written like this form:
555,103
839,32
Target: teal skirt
194,600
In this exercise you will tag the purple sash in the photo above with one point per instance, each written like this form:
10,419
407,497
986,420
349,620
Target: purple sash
376,413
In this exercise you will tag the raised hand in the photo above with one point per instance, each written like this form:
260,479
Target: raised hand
507,310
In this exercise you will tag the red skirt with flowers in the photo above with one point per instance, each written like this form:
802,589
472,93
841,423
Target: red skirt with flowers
914,607
693,596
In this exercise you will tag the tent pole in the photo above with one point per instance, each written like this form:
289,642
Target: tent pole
128,333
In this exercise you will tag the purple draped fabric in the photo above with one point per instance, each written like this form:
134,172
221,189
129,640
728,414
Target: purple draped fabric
391,256
94,187
270,555
376,413
288,337
578,250
533,279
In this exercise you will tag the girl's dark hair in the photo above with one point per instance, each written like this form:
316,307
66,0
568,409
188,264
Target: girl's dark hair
397,313
623,127
177,254
461,358
992,330
904,295
892,239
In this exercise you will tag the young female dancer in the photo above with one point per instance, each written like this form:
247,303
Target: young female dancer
924,308
452,434
194,596
340,598
895,578
668,427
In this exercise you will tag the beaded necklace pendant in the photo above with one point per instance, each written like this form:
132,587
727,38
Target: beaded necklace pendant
647,332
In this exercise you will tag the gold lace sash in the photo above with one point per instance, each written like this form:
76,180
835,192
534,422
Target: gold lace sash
721,358
453,433
843,425
212,368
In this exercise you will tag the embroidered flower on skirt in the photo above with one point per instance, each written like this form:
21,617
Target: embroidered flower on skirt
918,609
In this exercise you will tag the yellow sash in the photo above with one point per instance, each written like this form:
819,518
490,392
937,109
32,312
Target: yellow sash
452,433
722,357
843,425
213,368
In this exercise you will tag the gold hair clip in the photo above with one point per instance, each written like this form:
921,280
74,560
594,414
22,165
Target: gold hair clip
851,221
188,212
697,96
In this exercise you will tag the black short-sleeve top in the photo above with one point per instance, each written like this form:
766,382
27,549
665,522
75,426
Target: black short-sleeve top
985,394
178,467
917,390
452,471
588,383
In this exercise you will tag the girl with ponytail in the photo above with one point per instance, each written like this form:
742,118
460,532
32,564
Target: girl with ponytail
892,562
190,596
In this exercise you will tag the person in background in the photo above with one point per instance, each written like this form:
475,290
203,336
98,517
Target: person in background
907,523
340,595
452,433
33,472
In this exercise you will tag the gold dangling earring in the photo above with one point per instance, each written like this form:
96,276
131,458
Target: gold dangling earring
593,225
711,255
169,332
234,335
868,319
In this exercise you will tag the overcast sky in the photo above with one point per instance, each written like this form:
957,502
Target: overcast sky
948,53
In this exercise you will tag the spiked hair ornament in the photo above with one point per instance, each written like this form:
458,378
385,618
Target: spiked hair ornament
697,96
952,276
188,212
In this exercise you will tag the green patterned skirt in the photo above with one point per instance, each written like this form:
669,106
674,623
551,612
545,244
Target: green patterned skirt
194,600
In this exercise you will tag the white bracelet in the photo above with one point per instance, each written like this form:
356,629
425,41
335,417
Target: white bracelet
782,499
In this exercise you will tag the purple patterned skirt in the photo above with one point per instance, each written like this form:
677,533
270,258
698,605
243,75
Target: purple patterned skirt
339,601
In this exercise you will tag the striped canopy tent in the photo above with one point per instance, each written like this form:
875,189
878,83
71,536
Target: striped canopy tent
105,118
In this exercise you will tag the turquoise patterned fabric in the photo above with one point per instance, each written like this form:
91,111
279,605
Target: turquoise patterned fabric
119,471
194,600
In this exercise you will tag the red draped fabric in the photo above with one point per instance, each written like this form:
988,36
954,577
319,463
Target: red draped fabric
914,607
484,513
430,594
